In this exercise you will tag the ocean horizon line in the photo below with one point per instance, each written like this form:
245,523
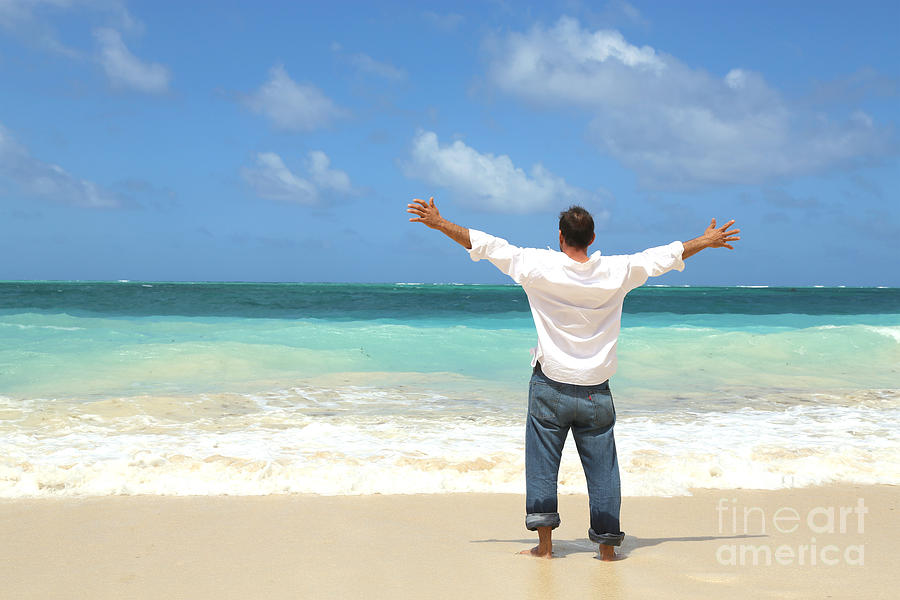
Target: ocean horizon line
422,283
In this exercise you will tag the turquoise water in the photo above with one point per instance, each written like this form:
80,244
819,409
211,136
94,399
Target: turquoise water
65,340
401,388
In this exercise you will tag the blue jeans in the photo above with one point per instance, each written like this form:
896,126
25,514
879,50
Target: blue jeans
553,408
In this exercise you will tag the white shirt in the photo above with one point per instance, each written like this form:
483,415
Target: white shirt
577,307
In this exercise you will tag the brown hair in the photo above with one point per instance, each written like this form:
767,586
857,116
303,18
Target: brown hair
577,227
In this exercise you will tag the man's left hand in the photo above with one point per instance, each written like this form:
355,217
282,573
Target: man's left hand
427,212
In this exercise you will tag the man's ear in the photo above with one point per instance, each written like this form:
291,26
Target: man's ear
593,237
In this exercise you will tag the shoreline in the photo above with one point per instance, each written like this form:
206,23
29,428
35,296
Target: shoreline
449,545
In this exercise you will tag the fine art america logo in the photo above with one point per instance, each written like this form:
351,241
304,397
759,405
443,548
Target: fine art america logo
754,522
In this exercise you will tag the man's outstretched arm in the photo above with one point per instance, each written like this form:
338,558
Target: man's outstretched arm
713,237
429,215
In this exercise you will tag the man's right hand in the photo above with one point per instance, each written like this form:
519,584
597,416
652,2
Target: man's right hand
427,214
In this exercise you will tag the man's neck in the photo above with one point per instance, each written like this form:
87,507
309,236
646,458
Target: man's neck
576,254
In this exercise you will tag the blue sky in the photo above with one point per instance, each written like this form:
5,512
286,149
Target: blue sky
282,141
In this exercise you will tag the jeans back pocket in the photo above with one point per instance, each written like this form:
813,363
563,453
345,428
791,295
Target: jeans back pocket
543,401
602,403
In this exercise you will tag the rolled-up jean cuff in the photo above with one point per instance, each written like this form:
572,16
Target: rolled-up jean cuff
610,539
535,520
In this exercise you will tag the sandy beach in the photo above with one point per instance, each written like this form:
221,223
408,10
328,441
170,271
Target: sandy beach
795,543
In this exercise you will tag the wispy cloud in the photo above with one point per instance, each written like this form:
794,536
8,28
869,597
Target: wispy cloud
31,20
270,178
618,12
850,89
674,125
292,106
127,71
630,12
366,64
38,179
489,181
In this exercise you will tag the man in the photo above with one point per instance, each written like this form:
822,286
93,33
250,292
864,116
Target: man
576,301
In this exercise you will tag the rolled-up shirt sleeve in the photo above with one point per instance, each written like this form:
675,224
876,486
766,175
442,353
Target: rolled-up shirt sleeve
654,262
510,259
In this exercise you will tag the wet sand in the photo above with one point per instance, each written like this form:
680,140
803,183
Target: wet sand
794,543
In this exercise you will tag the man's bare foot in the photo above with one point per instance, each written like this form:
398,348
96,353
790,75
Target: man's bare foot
607,553
544,549
538,552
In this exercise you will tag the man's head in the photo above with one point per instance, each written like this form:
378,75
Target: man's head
576,227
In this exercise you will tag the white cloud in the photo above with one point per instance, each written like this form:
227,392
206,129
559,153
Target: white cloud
367,64
326,178
491,182
292,106
46,180
125,70
672,124
271,178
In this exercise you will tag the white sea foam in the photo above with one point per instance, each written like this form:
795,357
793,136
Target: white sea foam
54,327
354,440
891,332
